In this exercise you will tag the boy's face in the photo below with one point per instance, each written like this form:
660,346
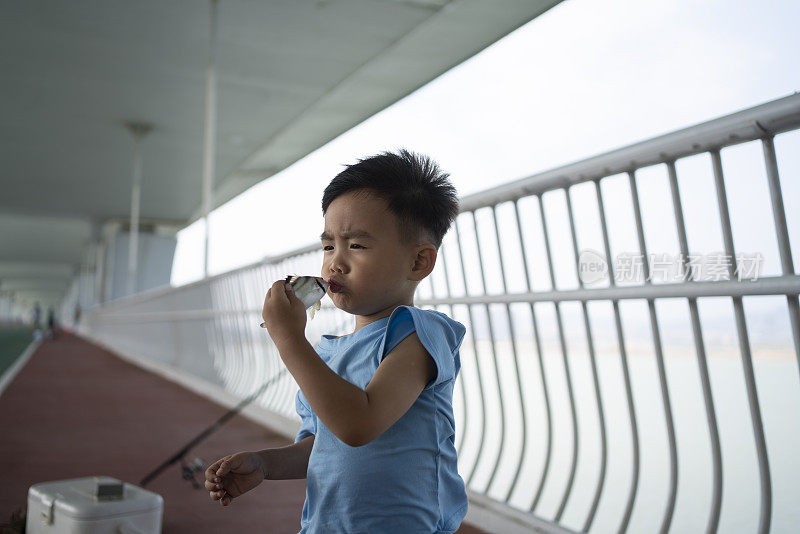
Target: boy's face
368,266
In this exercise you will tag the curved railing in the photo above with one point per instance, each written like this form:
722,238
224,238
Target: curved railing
562,384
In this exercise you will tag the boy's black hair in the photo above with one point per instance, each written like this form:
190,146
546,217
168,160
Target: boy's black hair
417,191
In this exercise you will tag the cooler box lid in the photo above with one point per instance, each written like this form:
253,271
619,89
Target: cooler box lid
76,498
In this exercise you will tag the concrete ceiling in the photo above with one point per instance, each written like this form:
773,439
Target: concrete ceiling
292,75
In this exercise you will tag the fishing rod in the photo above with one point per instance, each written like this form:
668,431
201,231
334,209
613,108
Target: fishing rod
188,470
309,289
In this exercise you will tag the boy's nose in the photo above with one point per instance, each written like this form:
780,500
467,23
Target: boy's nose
335,267
336,264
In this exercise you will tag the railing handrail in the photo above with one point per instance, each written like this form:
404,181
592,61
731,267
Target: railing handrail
768,285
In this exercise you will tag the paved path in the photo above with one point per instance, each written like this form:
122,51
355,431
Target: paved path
77,410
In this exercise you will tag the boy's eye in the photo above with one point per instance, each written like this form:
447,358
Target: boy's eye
352,245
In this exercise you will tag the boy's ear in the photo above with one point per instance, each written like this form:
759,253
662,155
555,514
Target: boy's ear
424,262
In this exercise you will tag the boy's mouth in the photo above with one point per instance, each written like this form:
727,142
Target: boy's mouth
334,287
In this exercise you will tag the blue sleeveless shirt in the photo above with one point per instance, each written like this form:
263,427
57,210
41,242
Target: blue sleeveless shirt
406,480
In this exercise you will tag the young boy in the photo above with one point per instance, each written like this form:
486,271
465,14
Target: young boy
377,437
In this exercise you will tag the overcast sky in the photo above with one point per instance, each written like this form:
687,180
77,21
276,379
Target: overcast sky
584,78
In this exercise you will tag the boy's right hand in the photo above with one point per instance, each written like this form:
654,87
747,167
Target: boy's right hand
234,475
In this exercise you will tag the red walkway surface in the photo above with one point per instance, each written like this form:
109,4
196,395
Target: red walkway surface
77,410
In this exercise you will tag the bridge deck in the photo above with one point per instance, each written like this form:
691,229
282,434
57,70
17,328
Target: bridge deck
77,410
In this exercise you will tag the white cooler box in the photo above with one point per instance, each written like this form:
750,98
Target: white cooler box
93,505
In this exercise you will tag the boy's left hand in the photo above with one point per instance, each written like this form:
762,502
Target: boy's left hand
283,313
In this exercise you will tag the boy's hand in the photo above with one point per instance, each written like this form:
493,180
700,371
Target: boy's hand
234,475
283,313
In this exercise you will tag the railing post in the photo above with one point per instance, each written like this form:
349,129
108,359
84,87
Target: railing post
210,130
567,372
601,476
702,362
626,517
747,357
782,233
662,373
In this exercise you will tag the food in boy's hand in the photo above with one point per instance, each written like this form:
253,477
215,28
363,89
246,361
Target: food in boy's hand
309,289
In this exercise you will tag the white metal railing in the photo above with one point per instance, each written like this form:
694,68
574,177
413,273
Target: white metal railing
538,431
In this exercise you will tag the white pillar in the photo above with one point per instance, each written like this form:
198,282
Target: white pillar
133,236
108,293
138,130
210,133
99,270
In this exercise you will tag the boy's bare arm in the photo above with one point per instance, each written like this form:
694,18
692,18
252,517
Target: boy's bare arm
357,416
290,462
396,385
